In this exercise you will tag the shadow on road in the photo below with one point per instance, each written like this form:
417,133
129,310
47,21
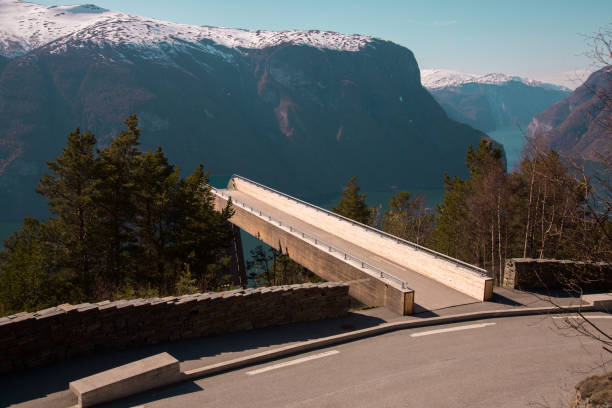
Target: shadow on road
154,395
41,381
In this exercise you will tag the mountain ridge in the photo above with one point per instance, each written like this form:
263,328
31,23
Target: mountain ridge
297,117
578,125
443,78
493,101
27,26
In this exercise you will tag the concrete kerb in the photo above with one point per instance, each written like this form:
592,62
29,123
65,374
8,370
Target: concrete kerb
601,302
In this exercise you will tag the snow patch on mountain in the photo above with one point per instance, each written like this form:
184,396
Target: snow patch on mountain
443,78
25,26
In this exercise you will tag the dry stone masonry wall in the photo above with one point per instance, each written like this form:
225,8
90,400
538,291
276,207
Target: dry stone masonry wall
59,333
533,274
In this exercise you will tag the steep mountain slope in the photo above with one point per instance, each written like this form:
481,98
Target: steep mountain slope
492,101
300,110
579,125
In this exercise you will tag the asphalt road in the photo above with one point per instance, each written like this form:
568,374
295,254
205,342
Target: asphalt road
508,362
429,294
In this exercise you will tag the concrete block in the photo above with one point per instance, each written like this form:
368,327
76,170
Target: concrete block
600,301
128,379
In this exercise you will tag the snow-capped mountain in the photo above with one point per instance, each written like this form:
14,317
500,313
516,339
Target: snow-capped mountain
493,101
302,111
25,26
443,78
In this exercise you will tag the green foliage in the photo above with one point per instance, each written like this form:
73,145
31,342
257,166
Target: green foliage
31,272
124,224
408,218
186,283
276,268
352,204
539,211
129,291
70,189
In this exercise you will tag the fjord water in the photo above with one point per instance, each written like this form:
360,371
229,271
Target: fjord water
7,228
513,141
511,138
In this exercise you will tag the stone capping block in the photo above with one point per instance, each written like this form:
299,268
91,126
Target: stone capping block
62,332
128,379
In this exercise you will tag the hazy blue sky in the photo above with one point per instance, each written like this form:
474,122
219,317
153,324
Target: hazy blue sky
541,39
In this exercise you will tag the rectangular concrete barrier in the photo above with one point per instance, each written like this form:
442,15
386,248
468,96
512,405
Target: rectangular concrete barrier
128,379
363,284
453,273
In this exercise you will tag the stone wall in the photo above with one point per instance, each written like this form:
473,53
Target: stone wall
59,333
533,274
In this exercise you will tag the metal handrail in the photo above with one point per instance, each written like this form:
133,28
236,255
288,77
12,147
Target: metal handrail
317,241
470,267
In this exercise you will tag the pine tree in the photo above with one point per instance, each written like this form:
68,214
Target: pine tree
114,196
205,234
471,219
157,218
352,204
70,188
32,275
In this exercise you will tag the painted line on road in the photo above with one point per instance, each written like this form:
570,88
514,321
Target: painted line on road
293,362
578,317
452,329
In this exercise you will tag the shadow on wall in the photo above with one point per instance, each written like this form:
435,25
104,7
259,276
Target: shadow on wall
42,381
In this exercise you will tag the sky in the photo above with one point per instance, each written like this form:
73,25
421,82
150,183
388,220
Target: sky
538,39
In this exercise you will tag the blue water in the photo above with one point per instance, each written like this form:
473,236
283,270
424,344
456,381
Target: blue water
513,141
7,228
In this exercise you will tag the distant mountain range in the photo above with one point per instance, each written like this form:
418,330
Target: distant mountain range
492,101
581,124
301,111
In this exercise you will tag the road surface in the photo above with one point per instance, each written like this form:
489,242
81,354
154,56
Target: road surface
507,362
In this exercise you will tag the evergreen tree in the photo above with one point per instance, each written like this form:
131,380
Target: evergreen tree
157,217
114,196
352,204
259,265
124,224
70,188
32,275
471,218
448,236
204,234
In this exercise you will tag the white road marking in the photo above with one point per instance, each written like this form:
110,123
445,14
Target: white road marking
293,362
578,317
451,329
